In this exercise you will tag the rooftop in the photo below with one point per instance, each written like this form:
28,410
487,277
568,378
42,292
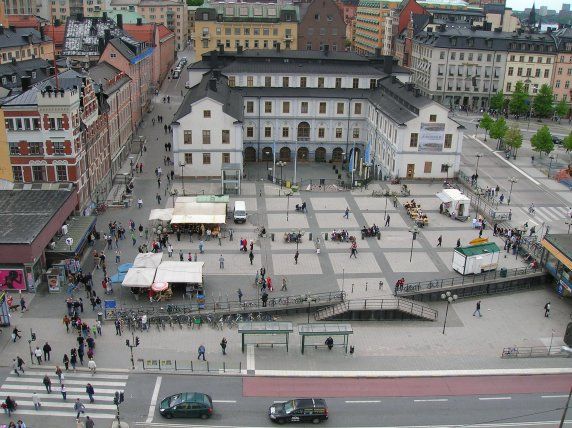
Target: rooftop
18,69
107,78
297,67
26,21
250,11
25,213
13,37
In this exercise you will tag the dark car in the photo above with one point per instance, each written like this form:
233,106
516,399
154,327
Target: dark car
556,140
187,405
312,410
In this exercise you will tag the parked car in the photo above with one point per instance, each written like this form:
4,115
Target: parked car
556,140
312,410
187,405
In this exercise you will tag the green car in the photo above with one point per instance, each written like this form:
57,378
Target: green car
187,405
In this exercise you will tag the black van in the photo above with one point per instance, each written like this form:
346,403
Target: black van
312,410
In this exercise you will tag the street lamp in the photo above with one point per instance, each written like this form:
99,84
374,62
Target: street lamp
281,165
288,204
479,156
512,181
182,165
385,209
550,165
414,231
479,194
310,300
568,223
450,298
266,155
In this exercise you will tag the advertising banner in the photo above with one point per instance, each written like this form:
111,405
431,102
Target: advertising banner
431,137
12,279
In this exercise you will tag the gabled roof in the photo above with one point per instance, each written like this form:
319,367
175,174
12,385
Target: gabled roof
26,21
104,73
20,37
128,50
57,33
164,32
24,68
142,33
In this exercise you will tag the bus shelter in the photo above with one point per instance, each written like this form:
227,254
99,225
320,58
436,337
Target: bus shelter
265,330
323,331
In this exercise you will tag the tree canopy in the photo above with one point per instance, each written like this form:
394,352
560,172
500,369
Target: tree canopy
498,129
497,101
513,138
542,103
195,2
541,142
562,108
486,122
567,142
519,100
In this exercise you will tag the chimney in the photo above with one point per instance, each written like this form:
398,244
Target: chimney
105,16
79,16
120,20
57,22
42,36
326,49
221,48
239,49
213,59
139,21
387,64
107,35
212,84
100,45
377,52
417,92
26,82
278,47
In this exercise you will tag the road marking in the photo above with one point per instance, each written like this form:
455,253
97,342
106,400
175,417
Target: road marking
554,396
250,363
494,398
430,400
363,401
46,396
224,401
68,404
55,388
68,381
71,413
154,400
70,375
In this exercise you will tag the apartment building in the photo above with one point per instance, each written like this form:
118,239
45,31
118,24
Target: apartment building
562,74
321,24
19,7
172,14
24,43
370,24
248,25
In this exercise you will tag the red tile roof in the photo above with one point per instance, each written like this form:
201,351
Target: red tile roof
56,33
164,31
24,21
142,33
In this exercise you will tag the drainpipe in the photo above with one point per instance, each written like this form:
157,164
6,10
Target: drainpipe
348,133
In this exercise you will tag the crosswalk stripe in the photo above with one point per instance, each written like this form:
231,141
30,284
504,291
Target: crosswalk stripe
55,388
83,396
69,382
87,375
72,414
67,404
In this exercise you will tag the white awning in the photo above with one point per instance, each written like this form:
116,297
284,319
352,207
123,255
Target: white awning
161,214
171,271
148,260
139,277
452,195
189,211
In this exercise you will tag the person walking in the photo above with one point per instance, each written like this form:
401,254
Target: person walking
64,392
347,213
547,310
117,327
181,256
36,400
90,391
20,364
47,383
251,257
91,366
15,334
458,242
66,362
15,366
478,309
223,345
98,327
66,321
59,373
89,422
439,240
264,298
202,351
284,288
47,349
296,257
239,293
170,250
387,220
73,359
79,408
221,262
10,405
38,354
117,256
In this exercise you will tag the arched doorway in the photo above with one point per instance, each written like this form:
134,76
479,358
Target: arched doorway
303,154
303,131
267,154
320,155
249,154
337,154
285,154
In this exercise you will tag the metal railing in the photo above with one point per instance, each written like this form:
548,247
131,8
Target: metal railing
534,352
408,306
227,306
416,287
191,366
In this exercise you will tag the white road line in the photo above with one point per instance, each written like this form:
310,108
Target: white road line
431,400
58,394
554,396
86,375
67,381
67,404
363,401
494,398
55,389
224,401
154,400
250,362
71,413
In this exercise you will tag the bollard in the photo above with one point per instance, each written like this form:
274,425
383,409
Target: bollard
310,236
366,286
272,236
352,350
380,285
352,287
378,236
326,236
362,236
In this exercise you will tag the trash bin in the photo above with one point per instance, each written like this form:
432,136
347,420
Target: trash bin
503,272
272,236
310,236
326,236
100,316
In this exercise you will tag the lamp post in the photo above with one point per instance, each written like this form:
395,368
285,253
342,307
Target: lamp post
568,223
512,181
182,165
385,209
414,230
310,300
281,165
288,205
479,156
266,155
479,194
450,298
550,165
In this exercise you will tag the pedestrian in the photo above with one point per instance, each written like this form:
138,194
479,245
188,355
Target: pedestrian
36,401
239,292
296,257
90,391
91,366
59,373
89,422
47,349
98,327
38,354
201,247
251,256
158,197
66,362
170,250
458,242
284,288
330,343
80,354
202,352
478,309
387,221
117,256
547,310
73,359
133,238
221,262
439,240
15,366
48,384
66,321
264,298
64,392
79,408
16,334
10,405
20,364
23,304
347,213
117,327
223,345
181,256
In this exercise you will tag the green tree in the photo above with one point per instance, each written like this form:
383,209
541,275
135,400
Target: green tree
542,141
567,143
542,104
513,139
195,2
498,129
497,101
519,100
562,109
486,122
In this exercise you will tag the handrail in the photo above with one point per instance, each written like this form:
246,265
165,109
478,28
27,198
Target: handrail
406,305
533,352
412,288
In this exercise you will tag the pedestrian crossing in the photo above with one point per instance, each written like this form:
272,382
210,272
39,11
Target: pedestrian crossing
20,388
548,214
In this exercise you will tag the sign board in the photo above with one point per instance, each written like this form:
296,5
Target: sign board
431,137
12,279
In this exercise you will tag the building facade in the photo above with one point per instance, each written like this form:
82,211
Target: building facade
321,24
562,74
19,7
171,13
348,10
24,43
6,176
245,25
370,24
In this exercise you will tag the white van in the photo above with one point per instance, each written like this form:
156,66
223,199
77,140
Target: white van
239,213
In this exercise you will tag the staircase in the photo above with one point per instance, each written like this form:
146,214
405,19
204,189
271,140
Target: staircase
377,309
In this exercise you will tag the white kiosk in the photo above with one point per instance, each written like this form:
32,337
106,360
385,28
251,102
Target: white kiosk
476,258
455,204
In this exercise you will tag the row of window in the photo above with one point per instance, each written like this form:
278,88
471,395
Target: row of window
559,72
188,135
300,82
228,31
39,173
322,107
537,72
414,140
303,132
25,54
206,158
246,43
37,148
25,124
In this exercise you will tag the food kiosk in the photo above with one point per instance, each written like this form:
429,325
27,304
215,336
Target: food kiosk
475,259
455,204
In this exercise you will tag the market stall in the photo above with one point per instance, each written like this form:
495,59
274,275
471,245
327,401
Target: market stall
164,214
185,275
139,277
475,259
148,260
197,216
454,204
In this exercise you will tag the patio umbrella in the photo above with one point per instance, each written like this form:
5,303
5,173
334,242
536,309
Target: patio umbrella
124,267
160,286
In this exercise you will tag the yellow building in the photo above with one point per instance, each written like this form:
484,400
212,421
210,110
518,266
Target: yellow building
17,44
5,166
248,25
